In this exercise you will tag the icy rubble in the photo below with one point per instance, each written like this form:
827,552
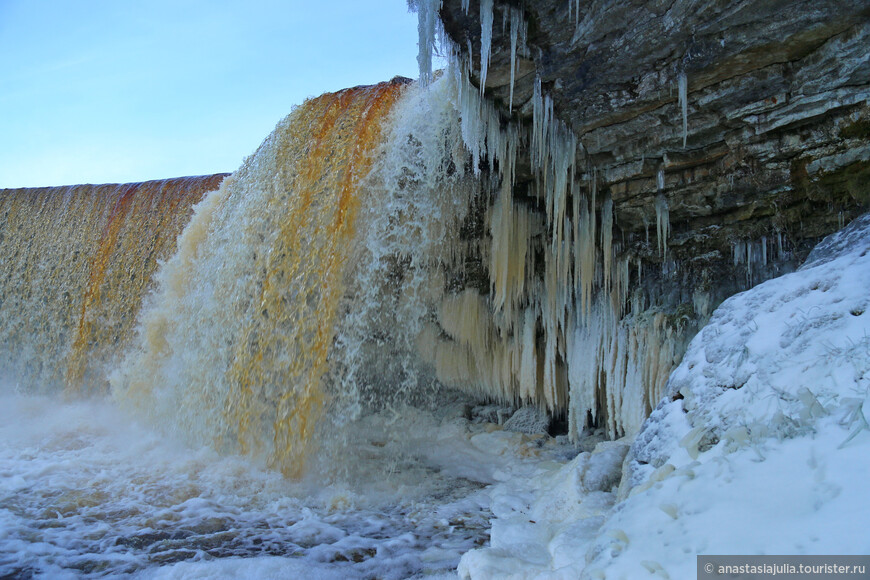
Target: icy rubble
760,445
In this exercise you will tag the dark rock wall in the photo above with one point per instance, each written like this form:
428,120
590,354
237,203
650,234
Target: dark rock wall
777,150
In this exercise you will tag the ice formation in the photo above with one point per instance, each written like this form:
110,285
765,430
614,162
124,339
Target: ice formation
663,224
683,89
758,446
518,32
428,27
486,20
543,322
756,254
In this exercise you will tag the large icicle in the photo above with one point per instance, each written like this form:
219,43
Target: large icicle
518,37
512,228
427,25
486,19
529,361
607,239
585,247
683,89
663,224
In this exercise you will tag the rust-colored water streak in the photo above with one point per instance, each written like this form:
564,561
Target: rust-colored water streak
235,346
76,263
306,262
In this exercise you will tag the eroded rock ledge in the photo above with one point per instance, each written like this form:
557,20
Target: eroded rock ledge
777,144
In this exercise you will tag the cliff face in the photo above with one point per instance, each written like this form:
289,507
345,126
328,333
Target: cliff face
776,149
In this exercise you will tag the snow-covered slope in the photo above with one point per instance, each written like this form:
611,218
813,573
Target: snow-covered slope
760,447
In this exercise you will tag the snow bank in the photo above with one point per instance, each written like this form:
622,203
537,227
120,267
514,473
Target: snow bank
761,445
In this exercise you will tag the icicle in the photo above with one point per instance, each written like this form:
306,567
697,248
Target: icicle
736,252
574,8
529,362
619,286
607,239
683,88
473,131
486,18
465,5
575,235
515,25
427,24
550,389
585,248
749,262
539,126
511,227
660,179
663,224
701,301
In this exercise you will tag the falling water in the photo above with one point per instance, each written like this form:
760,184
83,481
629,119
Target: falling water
234,344
77,261
275,318
355,263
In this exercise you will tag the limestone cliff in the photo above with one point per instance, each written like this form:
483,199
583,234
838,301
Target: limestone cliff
728,136
778,125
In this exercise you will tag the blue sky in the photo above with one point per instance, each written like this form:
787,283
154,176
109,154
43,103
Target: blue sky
101,91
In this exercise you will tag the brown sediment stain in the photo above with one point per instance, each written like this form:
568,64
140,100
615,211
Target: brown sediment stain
279,364
244,318
77,262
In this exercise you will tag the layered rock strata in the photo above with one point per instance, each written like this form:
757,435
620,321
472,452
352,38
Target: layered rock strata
716,143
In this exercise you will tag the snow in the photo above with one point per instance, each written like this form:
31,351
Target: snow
760,445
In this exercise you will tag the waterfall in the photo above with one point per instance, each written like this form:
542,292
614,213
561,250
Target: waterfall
77,261
303,283
233,346
357,260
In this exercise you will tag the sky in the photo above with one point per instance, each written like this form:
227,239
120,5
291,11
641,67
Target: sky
106,91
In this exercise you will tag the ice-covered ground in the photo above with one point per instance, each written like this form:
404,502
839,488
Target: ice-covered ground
761,446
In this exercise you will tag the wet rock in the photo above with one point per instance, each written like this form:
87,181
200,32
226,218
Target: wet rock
777,143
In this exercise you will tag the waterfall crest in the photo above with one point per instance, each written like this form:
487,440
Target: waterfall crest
77,261
234,344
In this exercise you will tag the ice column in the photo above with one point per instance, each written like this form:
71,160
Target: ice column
683,87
